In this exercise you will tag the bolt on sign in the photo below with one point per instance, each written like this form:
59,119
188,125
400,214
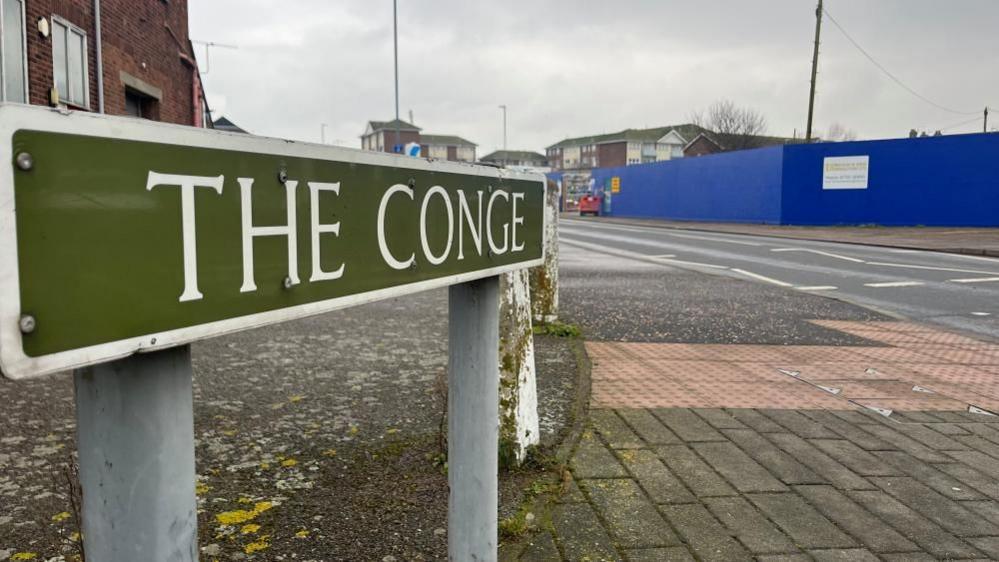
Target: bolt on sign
120,236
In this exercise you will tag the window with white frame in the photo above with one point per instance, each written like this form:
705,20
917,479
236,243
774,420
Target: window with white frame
69,63
13,57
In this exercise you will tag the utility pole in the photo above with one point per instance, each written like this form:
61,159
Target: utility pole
322,133
815,70
503,107
395,43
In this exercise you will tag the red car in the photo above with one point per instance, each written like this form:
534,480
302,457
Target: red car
589,205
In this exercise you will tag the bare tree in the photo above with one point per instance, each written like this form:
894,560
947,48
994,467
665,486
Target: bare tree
736,127
838,133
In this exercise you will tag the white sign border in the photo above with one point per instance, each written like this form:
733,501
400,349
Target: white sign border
16,365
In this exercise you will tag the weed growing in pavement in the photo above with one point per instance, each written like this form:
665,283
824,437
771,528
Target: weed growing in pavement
557,329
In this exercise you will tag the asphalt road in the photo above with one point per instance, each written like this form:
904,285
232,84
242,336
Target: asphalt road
951,290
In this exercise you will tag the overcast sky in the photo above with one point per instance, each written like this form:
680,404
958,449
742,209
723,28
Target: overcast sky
577,67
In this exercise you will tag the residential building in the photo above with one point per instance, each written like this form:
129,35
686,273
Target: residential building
447,147
121,57
623,148
380,136
517,158
641,146
224,124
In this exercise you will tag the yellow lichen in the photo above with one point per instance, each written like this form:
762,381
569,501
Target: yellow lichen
330,452
302,534
289,462
258,545
60,516
251,528
239,516
353,430
297,398
24,556
200,488
391,430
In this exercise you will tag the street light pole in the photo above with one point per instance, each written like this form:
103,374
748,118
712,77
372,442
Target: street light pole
503,107
322,133
395,42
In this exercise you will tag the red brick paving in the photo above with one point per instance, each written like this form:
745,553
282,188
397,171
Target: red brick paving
957,371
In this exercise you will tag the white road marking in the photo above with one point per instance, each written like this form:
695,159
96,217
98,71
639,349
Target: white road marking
981,314
663,256
930,267
819,252
713,239
818,288
895,284
636,255
762,277
974,280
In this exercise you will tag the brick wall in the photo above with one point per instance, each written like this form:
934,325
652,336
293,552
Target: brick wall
145,38
611,155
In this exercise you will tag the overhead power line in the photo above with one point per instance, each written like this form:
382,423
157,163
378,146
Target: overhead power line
894,78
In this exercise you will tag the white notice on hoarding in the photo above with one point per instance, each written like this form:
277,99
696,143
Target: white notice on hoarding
845,172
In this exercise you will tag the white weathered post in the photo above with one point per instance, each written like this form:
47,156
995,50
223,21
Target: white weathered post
544,278
473,413
135,434
518,394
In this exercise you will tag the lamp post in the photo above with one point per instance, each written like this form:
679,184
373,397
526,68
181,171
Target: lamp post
395,43
322,133
503,107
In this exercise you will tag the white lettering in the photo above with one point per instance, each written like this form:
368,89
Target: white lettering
322,228
476,227
382,243
436,260
517,219
250,231
489,224
190,246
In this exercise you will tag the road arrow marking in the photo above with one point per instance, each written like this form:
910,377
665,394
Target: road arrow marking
818,288
763,278
974,280
819,252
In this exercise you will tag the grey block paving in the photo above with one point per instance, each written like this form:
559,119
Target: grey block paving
750,526
695,473
806,526
855,458
920,530
708,539
719,418
778,485
942,511
855,520
593,460
845,555
581,535
631,518
800,424
676,553
781,464
650,429
931,475
613,429
687,425
824,465
653,476
755,420
740,470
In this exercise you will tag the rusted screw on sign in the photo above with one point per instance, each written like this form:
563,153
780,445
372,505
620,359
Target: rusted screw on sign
282,175
412,183
25,161
287,283
27,323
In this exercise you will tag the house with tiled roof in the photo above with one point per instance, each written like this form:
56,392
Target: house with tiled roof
391,136
516,158
623,148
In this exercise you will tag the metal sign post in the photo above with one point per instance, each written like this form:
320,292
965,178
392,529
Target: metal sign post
122,241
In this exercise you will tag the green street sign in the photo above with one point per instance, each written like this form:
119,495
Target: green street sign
120,235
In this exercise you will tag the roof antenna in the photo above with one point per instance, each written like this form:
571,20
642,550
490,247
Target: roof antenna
411,121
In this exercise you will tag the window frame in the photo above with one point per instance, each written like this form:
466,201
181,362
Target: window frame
85,50
24,55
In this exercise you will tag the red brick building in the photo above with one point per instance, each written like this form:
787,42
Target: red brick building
134,59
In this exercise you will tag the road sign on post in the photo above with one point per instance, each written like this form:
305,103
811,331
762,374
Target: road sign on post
121,236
